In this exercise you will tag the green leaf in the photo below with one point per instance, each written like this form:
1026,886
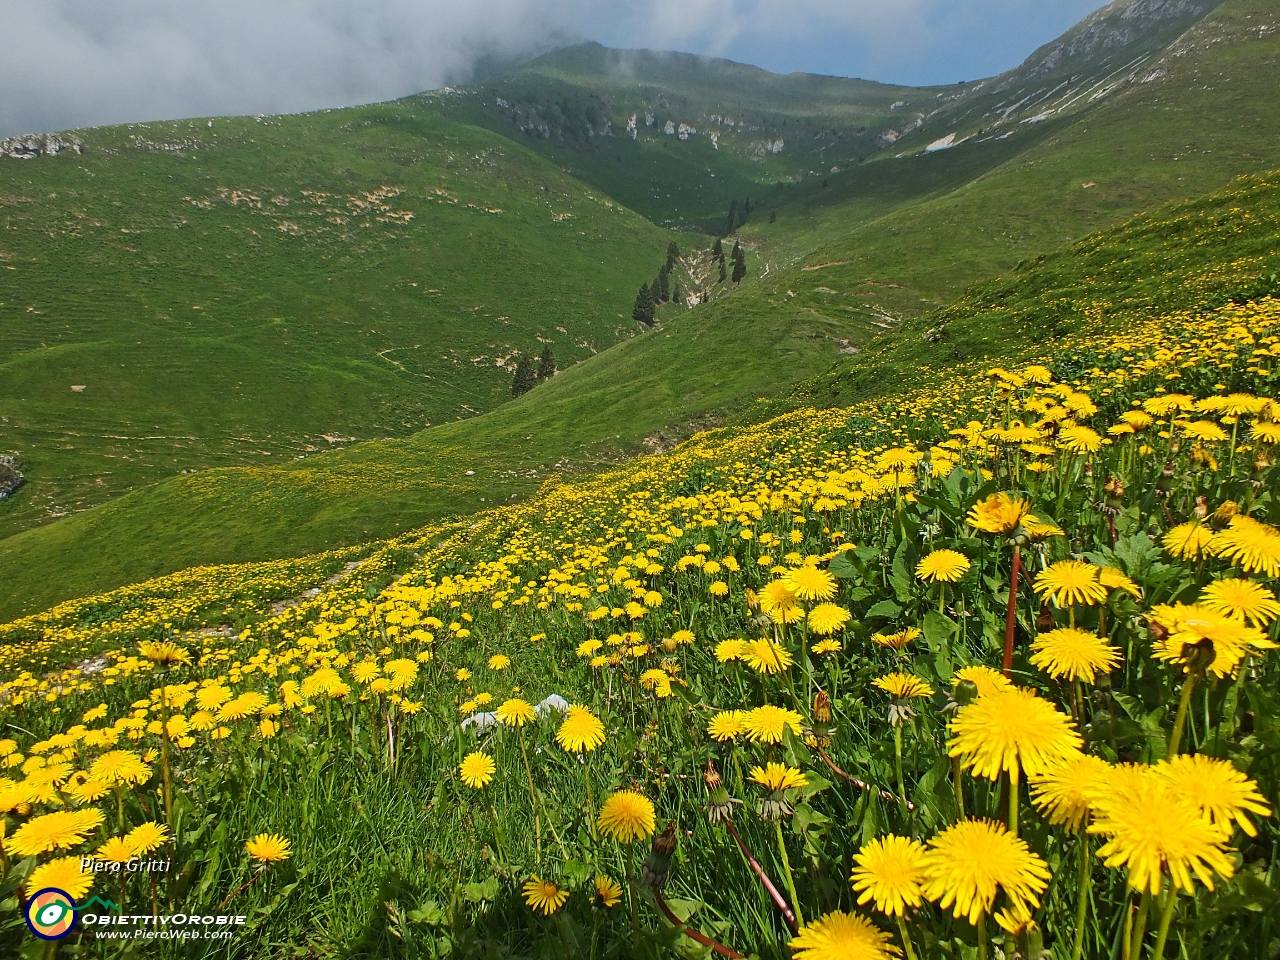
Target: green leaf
479,892
885,608
938,629
841,566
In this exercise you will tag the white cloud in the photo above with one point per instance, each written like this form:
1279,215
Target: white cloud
67,63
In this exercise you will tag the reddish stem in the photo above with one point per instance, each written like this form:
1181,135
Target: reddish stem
764,878
861,785
1011,619
688,931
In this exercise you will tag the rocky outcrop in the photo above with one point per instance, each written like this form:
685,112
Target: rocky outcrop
34,145
1113,28
10,476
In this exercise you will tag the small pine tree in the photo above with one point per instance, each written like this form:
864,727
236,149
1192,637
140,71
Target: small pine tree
643,310
718,250
526,378
733,217
662,286
773,216
746,207
673,254
723,273
677,295
546,364
739,267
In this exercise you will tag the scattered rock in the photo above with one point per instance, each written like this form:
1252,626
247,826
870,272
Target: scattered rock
34,145
10,475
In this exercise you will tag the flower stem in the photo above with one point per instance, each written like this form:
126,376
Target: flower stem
1011,616
897,756
1166,917
1013,800
982,936
957,781
1140,925
533,797
906,939
1082,903
786,866
1175,738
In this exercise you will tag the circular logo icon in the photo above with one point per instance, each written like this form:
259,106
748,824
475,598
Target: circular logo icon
51,914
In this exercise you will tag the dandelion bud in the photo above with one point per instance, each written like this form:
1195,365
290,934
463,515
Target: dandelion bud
753,602
1202,508
1199,656
965,693
656,867
1225,512
669,645
822,707
1114,487
1044,619
711,776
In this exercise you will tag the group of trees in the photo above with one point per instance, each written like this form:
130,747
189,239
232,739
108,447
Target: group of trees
529,376
737,215
739,262
662,290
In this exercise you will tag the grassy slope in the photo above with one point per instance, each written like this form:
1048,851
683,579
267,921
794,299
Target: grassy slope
594,412
1205,120
213,328
758,342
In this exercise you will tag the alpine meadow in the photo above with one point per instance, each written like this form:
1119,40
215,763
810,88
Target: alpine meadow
637,505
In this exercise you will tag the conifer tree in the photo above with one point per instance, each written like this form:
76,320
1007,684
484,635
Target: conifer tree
737,251
643,310
525,377
718,250
739,264
733,217
673,254
662,286
546,364
723,274
746,209
773,216
677,295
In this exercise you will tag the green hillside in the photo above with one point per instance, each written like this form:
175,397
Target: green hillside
256,289
917,230
745,354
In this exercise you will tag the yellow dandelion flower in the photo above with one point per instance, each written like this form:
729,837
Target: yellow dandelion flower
726,725
778,776
888,871
267,848
626,816
476,770
984,678
903,686
765,656
826,618
65,873
543,896
1012,728
608,891
581,730
998,514
969,863
1242,599
515,712
1249,544
943,566
1222,792
1187,541
1062,792
766,724
842,936
728,650
1154,831
1070,583
1074,654
810,583
53,831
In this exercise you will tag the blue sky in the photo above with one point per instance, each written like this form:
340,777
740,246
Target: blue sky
73,63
